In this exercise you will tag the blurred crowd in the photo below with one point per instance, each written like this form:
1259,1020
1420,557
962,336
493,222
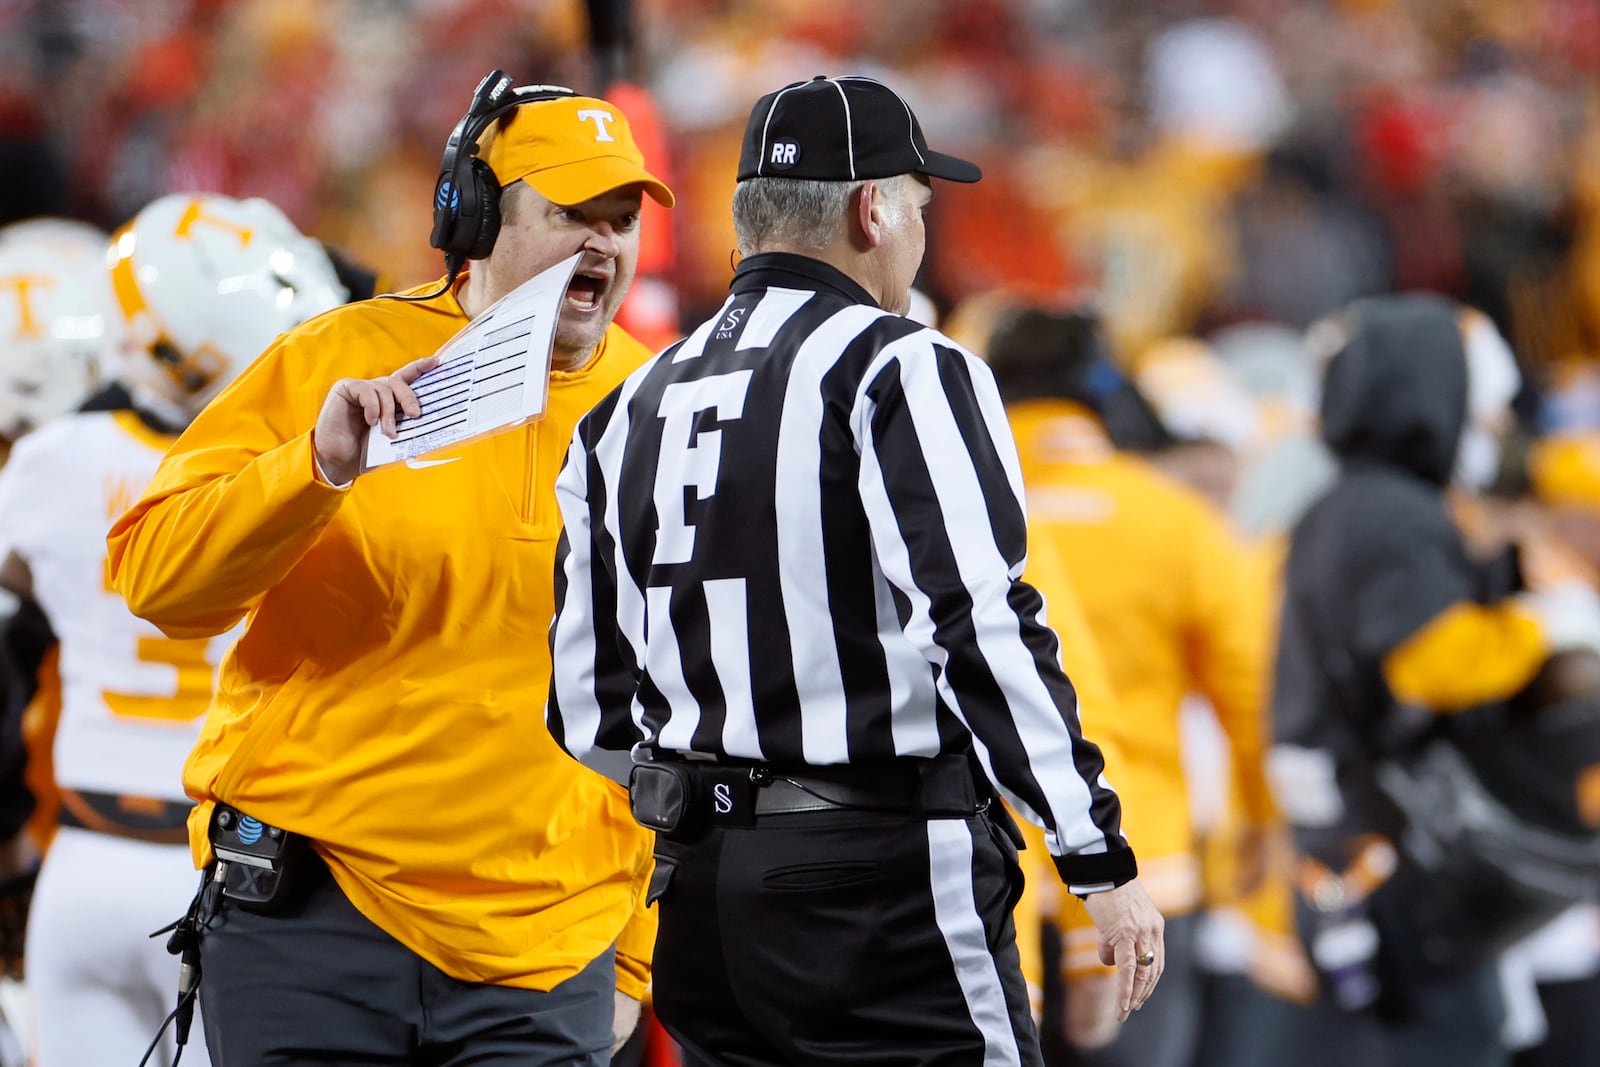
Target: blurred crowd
1184,164
1179,199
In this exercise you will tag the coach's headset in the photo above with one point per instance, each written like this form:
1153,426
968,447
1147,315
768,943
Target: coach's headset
466,198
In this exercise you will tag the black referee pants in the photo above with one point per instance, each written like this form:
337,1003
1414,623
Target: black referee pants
843,937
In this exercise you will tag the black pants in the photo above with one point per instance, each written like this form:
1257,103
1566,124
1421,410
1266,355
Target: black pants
321,984
843,937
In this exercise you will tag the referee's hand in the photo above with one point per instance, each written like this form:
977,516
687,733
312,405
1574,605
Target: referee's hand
1131,929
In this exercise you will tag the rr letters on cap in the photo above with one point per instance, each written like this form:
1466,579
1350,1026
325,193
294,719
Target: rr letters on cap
784,154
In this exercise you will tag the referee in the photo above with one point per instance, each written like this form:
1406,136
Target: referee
789,588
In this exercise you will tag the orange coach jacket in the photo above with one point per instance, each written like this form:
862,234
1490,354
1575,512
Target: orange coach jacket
1174,605
387,697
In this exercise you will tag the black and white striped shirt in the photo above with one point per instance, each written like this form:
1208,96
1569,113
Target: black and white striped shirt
796,536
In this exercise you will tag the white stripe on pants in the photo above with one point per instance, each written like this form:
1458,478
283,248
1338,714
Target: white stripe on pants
950,856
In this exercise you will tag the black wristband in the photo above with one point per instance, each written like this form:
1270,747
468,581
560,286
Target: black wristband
1117,867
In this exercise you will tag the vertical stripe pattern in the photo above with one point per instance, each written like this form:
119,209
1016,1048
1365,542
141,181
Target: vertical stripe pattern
804,535
956,912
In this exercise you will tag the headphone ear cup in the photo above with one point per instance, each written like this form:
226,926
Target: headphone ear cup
487,189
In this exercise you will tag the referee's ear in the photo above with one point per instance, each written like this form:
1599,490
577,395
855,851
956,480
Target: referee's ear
868,226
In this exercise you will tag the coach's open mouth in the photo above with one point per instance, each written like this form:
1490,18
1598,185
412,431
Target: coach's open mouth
585,290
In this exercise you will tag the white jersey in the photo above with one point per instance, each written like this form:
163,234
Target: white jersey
132,698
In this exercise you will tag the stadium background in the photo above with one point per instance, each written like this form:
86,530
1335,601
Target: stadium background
1184,164
1181,166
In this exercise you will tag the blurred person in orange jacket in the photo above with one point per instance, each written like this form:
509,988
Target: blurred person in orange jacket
1168,595
1240,401
382,707
1037,913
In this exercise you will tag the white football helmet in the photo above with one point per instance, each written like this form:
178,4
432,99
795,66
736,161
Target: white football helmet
58,322
205,283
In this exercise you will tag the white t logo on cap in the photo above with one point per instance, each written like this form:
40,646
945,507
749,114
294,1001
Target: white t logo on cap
602,122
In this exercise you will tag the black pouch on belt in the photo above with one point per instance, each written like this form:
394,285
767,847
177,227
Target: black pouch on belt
267,866
666,797
950,788
680,800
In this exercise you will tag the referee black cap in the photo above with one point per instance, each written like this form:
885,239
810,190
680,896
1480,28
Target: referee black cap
841,129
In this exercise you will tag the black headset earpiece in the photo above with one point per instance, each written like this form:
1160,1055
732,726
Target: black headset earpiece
485,200
466,198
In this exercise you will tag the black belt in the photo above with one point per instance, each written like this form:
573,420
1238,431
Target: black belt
782,796
163,822
680,797
942,787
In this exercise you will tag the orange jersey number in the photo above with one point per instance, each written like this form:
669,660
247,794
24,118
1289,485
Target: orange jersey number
190,659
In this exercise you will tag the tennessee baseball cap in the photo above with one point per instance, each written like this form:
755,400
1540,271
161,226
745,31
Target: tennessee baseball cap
841,129
570,150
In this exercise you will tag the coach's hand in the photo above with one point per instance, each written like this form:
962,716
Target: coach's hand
354,405
624,1020
1131,929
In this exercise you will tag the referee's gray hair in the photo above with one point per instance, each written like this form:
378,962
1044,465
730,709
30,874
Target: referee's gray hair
796,213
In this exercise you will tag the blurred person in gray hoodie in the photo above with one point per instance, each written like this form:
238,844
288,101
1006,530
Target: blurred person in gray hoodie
1417,797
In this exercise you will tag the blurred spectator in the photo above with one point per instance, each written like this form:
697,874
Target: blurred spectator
1216,81
1398,653
1186,164
1175,606
1287,466
1305,248
1212,418
1562,543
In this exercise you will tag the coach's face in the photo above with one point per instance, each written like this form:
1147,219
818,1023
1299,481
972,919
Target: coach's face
536,234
